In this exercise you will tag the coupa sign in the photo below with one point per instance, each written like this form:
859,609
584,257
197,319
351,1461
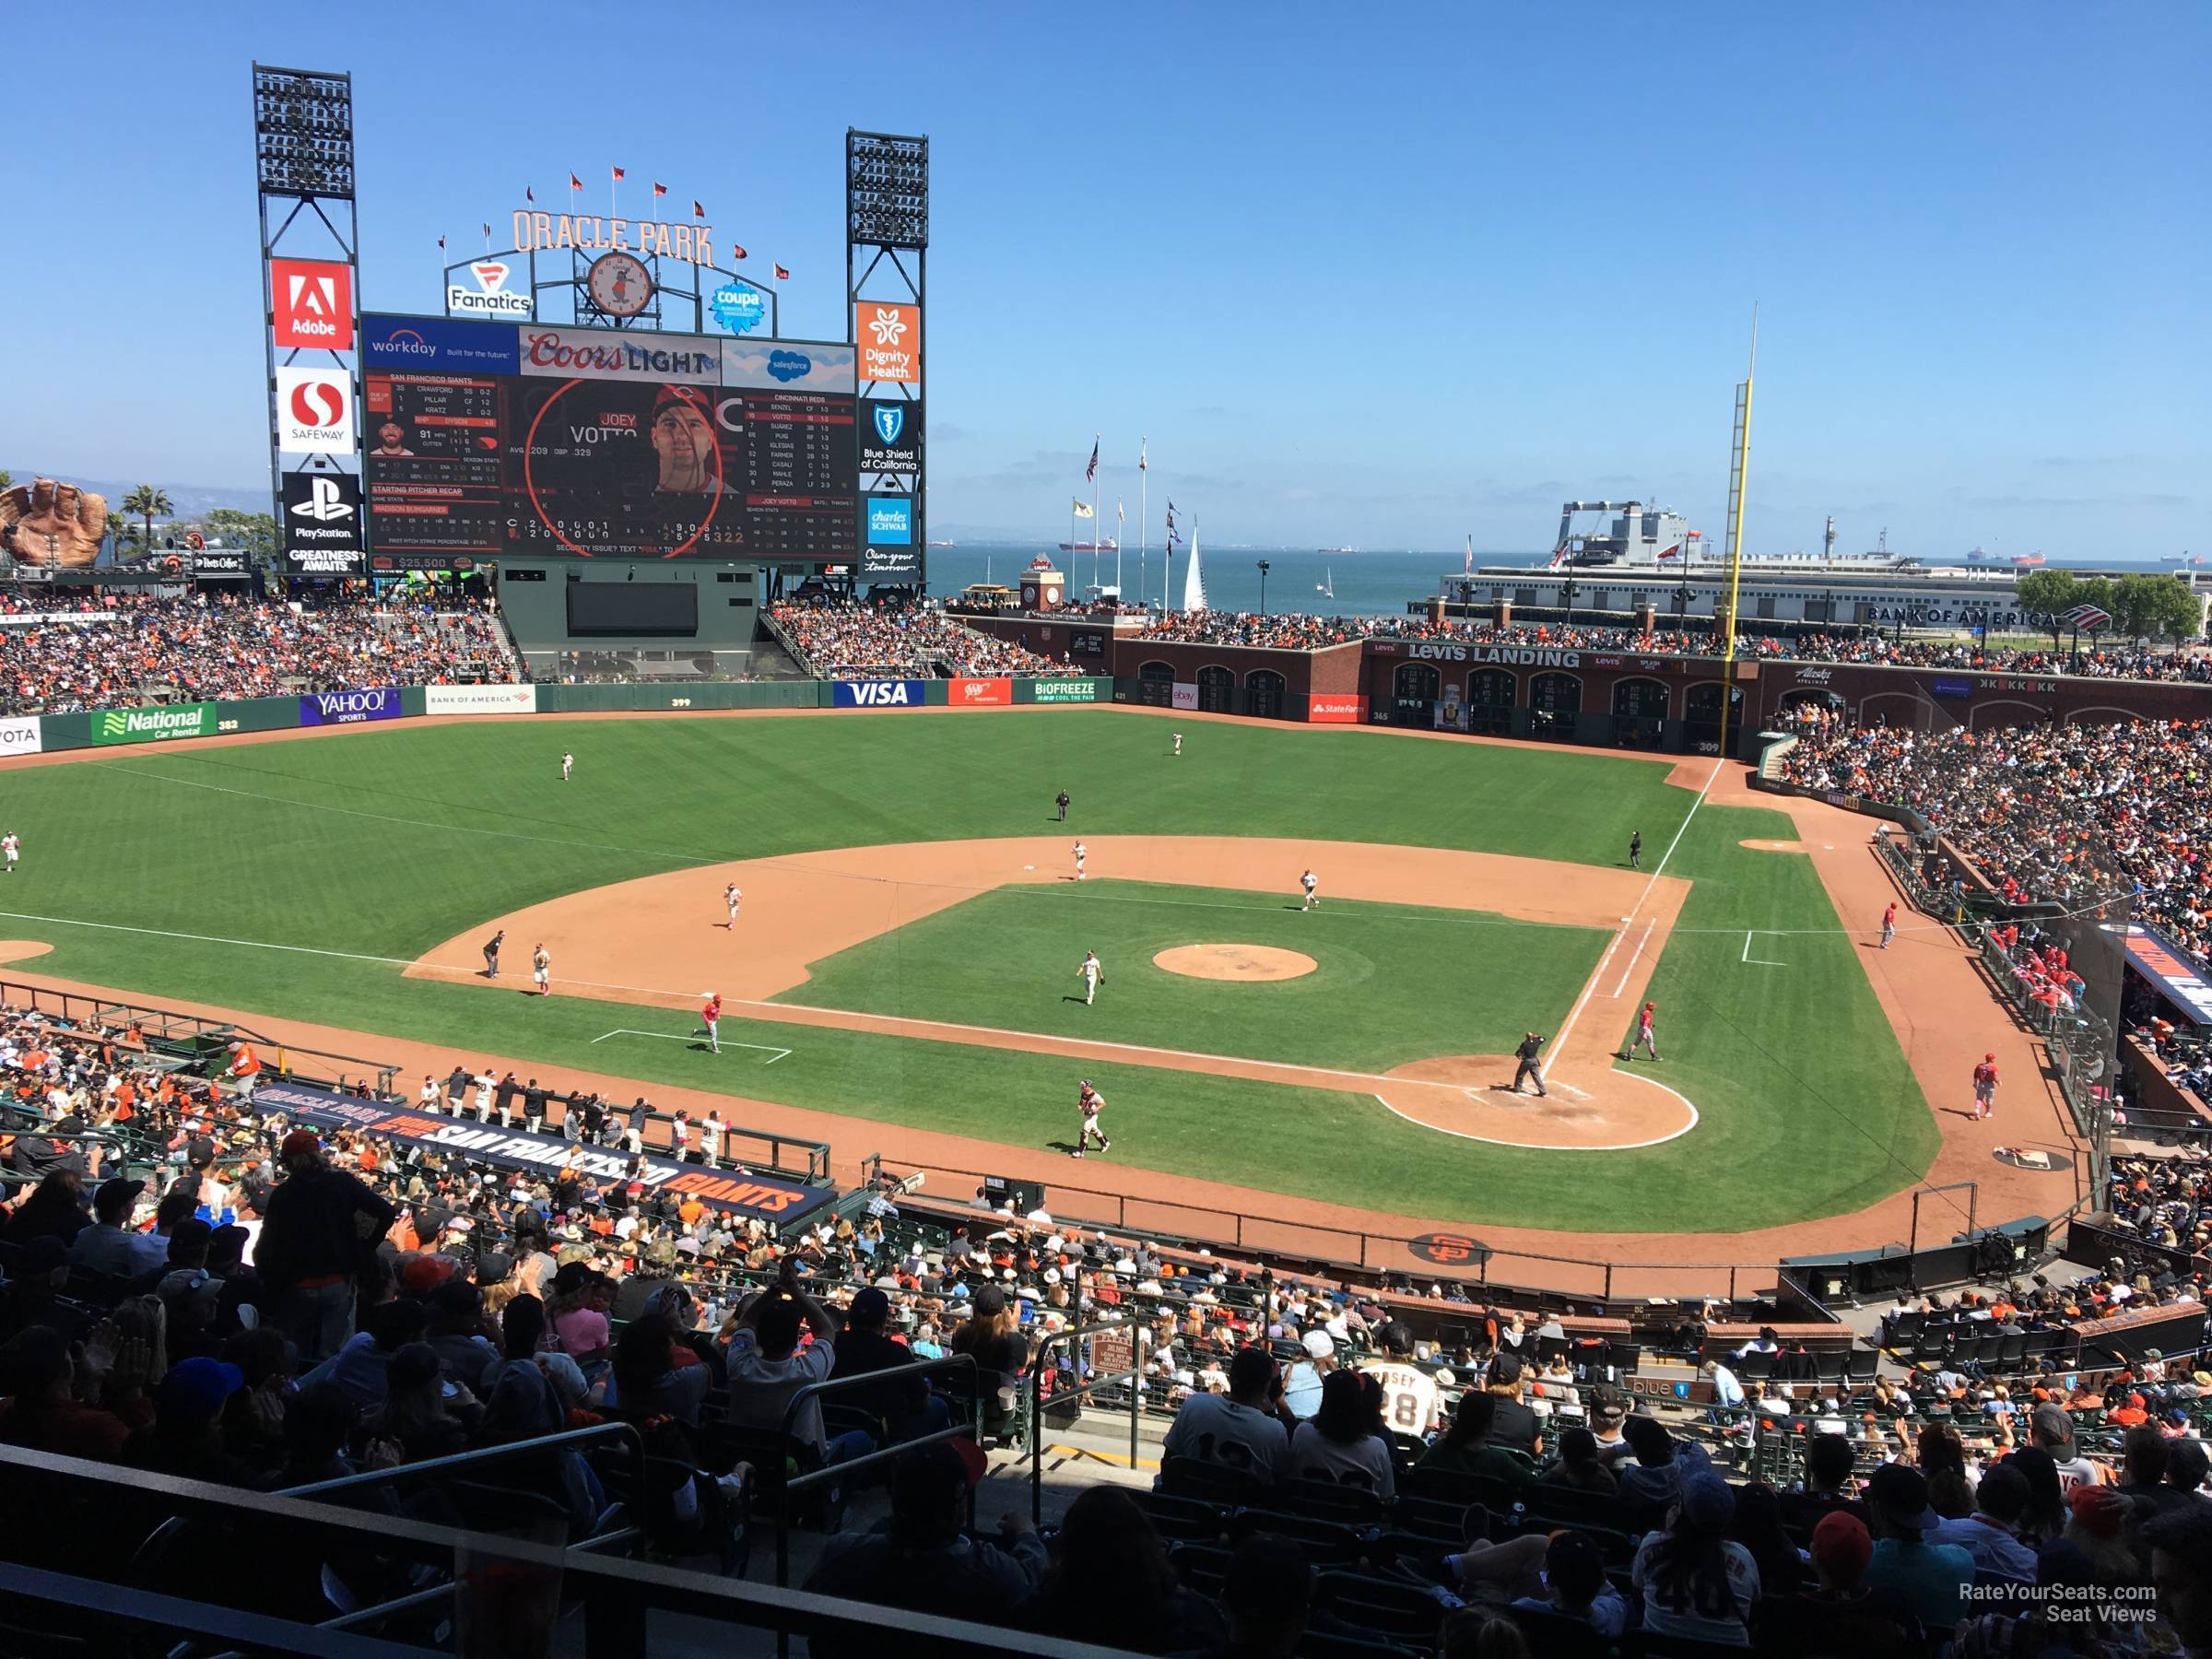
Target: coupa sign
152,725
349,708
879,694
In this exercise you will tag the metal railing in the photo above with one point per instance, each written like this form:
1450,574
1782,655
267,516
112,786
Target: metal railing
832,1474
1133,1376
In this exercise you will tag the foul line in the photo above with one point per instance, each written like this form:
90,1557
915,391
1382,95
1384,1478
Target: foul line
1558,1042
694,1039
1636,957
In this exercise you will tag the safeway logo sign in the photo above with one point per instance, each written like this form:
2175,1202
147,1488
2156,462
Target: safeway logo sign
489,297
890,341
311,305
314,410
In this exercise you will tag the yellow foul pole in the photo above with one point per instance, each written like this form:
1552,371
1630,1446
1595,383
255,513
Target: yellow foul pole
1739,467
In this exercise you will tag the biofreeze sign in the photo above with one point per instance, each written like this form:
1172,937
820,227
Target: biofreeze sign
879,694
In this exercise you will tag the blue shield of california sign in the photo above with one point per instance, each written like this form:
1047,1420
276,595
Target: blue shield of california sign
890,419
890,440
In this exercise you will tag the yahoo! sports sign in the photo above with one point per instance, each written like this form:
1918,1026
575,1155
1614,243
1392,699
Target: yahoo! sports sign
350,707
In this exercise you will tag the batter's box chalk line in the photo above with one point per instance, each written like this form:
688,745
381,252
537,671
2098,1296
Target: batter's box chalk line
772,1052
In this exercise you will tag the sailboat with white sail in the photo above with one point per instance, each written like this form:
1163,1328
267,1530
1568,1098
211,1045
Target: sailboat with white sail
1327,587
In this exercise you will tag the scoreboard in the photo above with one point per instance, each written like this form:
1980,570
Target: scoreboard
490,438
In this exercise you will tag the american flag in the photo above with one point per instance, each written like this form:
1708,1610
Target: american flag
1092,471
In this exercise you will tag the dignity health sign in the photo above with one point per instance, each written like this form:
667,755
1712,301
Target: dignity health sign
350,707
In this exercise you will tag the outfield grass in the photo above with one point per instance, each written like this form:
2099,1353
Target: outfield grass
1009,959
381,846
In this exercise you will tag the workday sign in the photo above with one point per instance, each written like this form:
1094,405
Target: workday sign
349,708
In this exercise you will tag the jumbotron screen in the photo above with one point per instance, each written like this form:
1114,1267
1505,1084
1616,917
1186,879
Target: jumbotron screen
490,438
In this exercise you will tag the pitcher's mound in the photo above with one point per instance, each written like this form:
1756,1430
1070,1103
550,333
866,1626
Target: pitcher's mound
1235,963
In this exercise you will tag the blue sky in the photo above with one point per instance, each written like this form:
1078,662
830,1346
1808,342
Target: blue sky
1380,275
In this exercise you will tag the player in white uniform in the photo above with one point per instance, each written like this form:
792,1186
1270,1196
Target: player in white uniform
1082,853
1091,1101
1177,749
541,970
486,1083
567,763
1311,883
431,1098
731,898
13,848
1092,976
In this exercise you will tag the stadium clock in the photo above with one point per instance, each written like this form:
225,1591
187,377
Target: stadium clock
619,285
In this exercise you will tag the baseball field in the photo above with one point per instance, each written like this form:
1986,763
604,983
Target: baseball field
908,946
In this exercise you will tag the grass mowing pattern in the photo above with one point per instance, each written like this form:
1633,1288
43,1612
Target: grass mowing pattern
384,843
1008,959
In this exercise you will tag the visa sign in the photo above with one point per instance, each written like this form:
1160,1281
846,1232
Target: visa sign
879,694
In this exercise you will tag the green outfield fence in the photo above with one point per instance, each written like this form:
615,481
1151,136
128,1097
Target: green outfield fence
160,724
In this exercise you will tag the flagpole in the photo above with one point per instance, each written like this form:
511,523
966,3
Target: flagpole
1120,524
1094,514
1144,523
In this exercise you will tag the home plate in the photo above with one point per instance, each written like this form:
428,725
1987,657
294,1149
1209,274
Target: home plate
1028,867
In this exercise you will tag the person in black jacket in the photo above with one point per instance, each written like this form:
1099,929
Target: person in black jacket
320,1225
905,1403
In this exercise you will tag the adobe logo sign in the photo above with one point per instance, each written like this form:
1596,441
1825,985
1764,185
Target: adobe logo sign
311,303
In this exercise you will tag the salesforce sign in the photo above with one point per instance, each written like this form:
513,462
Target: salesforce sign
349,708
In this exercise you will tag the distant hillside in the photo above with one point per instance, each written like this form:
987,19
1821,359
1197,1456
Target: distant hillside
190,499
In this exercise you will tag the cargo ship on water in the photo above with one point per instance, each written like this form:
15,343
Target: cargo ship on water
1649,559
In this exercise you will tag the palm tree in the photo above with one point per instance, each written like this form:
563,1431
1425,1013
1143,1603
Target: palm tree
150,502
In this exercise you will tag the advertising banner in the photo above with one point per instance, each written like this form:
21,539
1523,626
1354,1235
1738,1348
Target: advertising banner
438,345
1336,708
153,726
890,437
879,694
981,693
788,366
891,564
767,1197
19,736
311,305
349,708
322,524
1064,690
1943,687
890,341
1186,694
221,564
890,522
479,699
487,294
314,411
737,308
598,354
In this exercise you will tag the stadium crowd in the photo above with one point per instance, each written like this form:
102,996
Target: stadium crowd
2166,1202
129,650
204,1324
2063,812
855,641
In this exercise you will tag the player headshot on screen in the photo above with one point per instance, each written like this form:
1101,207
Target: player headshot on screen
683,442
391,440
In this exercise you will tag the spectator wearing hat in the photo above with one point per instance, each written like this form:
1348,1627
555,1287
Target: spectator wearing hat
1575,1587
922,1561
906,1404
186,1436
2096,1525
319,1230
1662,1463
1991,1534
1247,1428
1842,1612
1695,1583
1515,1426
992,1337
111,1245
2052,1428
1933,1578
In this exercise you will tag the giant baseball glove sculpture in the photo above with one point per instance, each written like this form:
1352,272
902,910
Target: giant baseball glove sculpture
49,524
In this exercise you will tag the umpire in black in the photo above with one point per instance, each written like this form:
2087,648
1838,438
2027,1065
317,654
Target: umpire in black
1531,1046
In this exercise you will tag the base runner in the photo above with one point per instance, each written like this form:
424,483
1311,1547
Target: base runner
711,1017
1089,1102
1646,1037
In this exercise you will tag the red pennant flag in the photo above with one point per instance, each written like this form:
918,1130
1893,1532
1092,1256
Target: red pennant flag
488,230
529,194
783,274
659,189
618,175
737,252
575,182
697,212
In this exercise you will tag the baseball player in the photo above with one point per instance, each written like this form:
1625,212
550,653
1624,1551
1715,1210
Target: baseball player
13,847
1092,976
1082,853
1646,1038
1312,883
1986,1087
1527,1071
710,1017
430,1097
1635,849
492,954
541,970
1178,748
486,1084
568,763
1888,924
1089,1101
731,898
